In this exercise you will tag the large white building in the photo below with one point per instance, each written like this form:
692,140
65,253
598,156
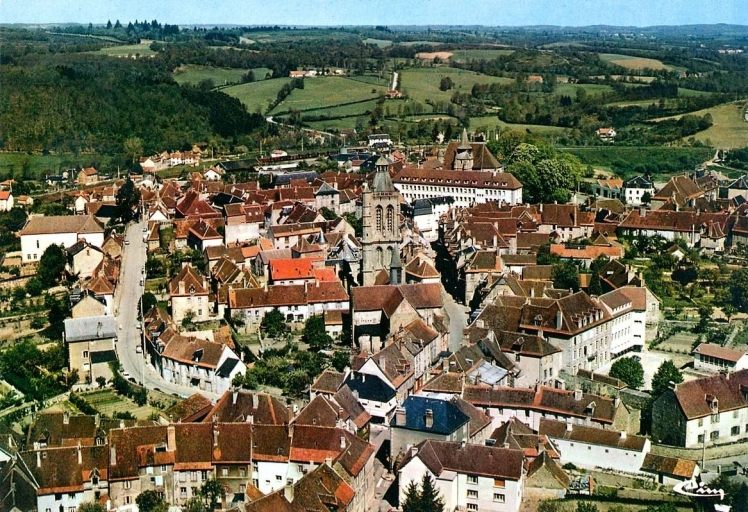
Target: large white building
466,187
467,476
42,231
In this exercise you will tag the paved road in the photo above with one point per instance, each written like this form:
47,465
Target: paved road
127,305
457,320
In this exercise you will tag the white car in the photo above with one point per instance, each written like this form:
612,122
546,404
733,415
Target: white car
139,349
127,242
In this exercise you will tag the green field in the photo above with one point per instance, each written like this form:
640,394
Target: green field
257,95
631,62
193,74
384,81
493,122
480,54
422,84
729,131
36,166
143,49
107,402
571,89
381,43
327,91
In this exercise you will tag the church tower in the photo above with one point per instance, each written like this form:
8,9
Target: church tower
380,217
464,155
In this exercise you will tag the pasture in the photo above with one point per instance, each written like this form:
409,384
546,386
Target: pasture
328,91
729,131
493,122
142,49
631,62
590,89
257,95
193,75
422,84
36,166
480,54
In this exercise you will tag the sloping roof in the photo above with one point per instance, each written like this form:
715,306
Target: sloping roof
449,178
718,352
192,408
591,435
51,224
369,387
482,157
682,468
729,390
329,381
90,328
240,405
445,417
471,459
194,283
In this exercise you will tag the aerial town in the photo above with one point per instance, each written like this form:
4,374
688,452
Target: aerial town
443,316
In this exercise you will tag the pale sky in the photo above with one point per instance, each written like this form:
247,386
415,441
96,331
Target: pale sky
381,12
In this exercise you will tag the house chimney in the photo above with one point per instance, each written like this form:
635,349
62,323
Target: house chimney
80,454
355,393
559,320
255,401
290,430
288,492
342,442
66,418
171,438
400,416
38,459
250,418
577,395
234,395
112,455
624,434
413,451
215,436
616,402
569,426
429,418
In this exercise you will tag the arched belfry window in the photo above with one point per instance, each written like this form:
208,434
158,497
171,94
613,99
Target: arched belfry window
390,219
379,213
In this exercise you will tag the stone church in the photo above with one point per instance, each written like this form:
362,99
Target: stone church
381,229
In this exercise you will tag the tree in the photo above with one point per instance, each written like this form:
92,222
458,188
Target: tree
127,201
666,373
101,381
274,324
91,506
425,499
705,318
446,84
149,301
51,266
566,276
740,499
585,506
739,289
194,505
314,333
133,147
340,360
150,501
629,370
212,493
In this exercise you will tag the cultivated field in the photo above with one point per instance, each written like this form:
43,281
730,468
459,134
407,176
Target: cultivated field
257,95
328,91
37,166
107,402
630,62
571,89
143,49
422,84
730,130
480,54
193,74
493,122
434,55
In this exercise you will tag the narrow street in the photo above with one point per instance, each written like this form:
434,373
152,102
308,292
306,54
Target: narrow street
127,303
457,321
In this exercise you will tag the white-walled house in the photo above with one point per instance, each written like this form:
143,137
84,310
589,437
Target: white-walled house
467,476
710,357
6,200
591,447
189,294
42,231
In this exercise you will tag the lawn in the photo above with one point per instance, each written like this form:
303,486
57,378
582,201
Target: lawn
631,62
257,95
492,122
36,166
571,89
338,124
107,402
328,91
729,131
480,54
381,43
422,84
143,49
194,74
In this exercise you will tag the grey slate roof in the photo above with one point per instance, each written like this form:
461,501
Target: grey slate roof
447,417
370,387
90,328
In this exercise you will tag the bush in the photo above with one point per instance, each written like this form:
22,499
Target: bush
82,405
